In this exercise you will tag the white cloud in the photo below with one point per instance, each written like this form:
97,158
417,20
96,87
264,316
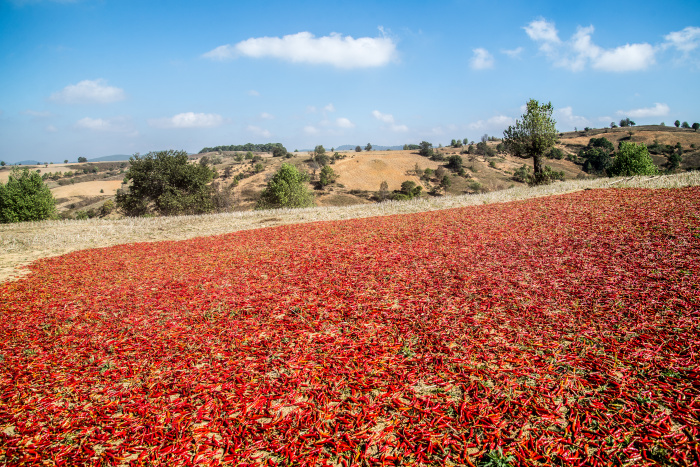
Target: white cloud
542,30
115,125
343,122
258,131
253,93
89,92
658,110
188,120
514,53
497,123
566,118
310,130
629,57
329,108
386,118
51,129
685,40
580,51
389,120
266,116
482,59
336,50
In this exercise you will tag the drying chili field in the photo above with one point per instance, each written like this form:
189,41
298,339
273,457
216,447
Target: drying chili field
553,331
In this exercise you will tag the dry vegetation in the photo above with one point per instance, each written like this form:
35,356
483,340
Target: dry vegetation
23,243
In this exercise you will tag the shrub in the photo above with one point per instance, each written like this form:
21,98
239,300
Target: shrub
358,149
279,151
556,153
25,197
426,149
410,190
632,159
286,189
107,208
522,174
165,182
327,176
454,163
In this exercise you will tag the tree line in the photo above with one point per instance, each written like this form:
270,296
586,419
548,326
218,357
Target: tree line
266,147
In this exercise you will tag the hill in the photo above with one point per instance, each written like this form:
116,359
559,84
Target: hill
359,173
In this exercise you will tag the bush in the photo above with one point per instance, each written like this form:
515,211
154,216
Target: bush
409,190
166,183
107,208
426,149
286,189
632,159
455,163
279,151
327,176
522,174
358,149
25,197
557,154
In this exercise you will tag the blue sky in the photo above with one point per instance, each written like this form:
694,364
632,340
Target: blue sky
100,77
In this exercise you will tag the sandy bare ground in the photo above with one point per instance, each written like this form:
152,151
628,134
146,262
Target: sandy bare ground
23,243
367,170
93,188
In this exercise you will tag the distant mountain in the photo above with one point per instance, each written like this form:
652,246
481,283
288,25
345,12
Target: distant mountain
26,163
116,157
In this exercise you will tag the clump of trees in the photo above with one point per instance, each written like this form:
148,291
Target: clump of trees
165,183
632,159
286,189
531,137
597,155
267,147
625,122
25,197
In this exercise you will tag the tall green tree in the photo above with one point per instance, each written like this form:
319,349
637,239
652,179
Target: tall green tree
368,147
166,183
286,189
532,137
25,197
632,159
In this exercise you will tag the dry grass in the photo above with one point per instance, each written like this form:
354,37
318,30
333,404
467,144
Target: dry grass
20,244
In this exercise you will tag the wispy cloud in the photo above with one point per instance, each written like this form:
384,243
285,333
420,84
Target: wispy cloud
89,92
37,113
482,59
310,130
658,110
496,123
253,93
112,125
343,122
513,53
685,40
335,50
579,52
266,116
258,131
566,118
188,120
389,120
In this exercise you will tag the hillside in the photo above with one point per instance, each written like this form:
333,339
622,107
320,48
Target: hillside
86,186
